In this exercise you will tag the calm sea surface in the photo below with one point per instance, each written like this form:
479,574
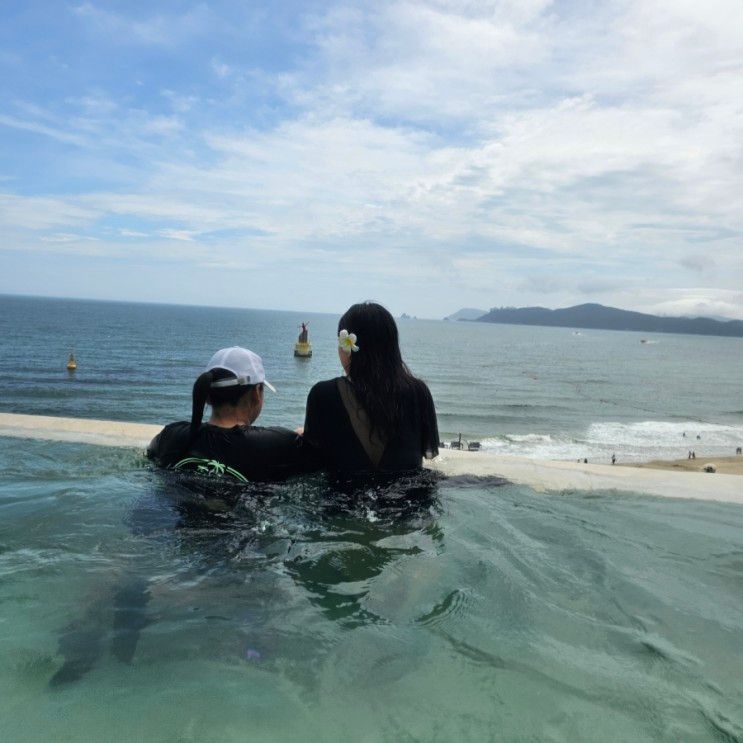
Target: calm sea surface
460,609
543,392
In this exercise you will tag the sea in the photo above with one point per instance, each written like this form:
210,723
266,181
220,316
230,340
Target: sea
555,393
141,605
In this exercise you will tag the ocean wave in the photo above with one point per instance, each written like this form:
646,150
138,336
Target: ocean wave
529,437
664,433
636,441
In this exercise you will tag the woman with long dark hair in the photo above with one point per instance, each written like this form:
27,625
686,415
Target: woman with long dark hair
233,385
378,417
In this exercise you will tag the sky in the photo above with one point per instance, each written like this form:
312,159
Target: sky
429,154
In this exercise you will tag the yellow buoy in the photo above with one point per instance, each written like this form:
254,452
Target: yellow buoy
303,347
71,363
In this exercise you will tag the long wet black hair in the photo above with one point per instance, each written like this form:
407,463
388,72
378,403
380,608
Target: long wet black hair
377,372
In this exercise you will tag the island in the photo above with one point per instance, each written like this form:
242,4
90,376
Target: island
598,317
466,313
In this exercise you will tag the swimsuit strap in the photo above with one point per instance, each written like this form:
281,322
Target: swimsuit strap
374,446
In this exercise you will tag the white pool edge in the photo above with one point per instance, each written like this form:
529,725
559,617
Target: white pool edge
541,475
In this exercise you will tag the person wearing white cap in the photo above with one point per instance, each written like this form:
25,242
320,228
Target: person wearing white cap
228,443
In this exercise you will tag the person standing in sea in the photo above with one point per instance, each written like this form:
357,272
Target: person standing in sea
378,417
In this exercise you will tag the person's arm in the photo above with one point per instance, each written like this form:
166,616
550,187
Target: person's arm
169,445
278,453
312,428
429,425
153,450
313,435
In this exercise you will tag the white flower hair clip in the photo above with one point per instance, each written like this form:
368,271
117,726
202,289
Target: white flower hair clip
347,341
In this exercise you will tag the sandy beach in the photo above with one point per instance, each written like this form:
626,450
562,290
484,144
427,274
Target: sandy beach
725,465
681,479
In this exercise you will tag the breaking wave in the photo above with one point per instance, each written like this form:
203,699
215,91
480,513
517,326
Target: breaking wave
637,441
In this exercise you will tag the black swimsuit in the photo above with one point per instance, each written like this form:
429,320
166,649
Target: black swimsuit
263,454
337,427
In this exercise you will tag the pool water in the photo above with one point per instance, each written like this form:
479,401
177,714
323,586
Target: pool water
449,610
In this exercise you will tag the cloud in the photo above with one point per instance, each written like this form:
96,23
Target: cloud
221,69
704,301
160,29
66,238
422,62
184,235
511,148
44,130
698,263
40,213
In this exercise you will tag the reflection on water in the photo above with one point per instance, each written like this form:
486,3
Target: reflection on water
139,606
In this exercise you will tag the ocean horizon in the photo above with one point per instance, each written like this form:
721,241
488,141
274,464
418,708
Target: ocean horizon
555,393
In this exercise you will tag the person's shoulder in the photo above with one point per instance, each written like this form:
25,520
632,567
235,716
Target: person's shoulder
176,427
420,388
173,430
419,394
170,438
266,432
324,388
419,384
326,384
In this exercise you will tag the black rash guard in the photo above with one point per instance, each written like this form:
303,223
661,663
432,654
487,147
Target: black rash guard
329,429
260,454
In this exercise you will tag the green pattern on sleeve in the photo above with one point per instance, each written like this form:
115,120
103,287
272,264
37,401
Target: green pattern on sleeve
211,467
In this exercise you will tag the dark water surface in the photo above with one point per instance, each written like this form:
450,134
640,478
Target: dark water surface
452,610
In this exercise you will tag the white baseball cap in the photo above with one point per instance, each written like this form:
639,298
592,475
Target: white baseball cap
245,365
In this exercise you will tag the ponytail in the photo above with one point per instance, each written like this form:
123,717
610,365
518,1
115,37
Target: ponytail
203,394
201,389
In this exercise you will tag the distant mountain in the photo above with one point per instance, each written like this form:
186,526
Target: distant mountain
598,317
466,313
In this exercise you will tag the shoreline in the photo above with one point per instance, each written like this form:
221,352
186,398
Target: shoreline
664,479
732,465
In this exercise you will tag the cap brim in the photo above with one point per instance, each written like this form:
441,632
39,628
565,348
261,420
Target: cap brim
269,385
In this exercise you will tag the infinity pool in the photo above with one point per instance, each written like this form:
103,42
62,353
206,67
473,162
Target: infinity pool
451,610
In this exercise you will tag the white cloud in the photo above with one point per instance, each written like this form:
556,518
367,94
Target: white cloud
183,235
43,129
423,62
475,144
704,301
159,29
221,69
40,213
63,237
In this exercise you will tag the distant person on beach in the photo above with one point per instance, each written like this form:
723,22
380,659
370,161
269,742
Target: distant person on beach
739,450
378,417
613,458
228,443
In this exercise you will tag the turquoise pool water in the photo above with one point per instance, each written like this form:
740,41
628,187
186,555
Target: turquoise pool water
468,611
